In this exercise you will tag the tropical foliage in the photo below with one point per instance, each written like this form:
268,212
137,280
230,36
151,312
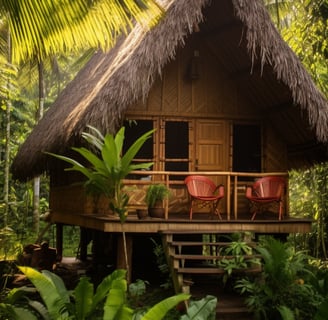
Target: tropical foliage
105,173
303,23
108,301
304,26
106,168
307,35
46,28
156,192
309,194
288,287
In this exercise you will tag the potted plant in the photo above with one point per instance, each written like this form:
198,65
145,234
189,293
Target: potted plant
155,195
142,213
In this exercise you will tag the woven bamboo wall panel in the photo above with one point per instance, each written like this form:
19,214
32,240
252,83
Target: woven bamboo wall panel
155,97
73,200
275,151
171,88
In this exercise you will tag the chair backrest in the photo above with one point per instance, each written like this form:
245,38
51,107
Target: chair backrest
200,186
269,187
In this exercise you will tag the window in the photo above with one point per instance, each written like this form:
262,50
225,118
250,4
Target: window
246,148
133,130
176,147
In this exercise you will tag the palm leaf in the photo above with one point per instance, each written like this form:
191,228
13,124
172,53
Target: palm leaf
42,28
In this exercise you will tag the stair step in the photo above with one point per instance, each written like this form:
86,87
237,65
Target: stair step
214,270
210,257
205,243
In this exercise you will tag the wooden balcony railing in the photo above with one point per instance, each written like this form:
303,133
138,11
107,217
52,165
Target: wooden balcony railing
232,182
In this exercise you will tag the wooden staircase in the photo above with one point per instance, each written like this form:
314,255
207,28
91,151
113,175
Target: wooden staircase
193,261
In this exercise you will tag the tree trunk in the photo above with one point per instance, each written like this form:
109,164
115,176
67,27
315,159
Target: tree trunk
7,144
36,182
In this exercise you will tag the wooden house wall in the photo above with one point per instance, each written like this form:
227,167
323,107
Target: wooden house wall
194,88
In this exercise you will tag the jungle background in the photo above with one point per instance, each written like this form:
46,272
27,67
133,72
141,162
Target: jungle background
37,62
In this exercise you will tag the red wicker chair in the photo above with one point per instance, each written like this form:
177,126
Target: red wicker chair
264,192
204,190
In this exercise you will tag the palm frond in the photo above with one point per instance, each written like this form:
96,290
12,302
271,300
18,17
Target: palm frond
43,28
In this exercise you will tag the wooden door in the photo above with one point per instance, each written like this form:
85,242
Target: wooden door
212,150
211,146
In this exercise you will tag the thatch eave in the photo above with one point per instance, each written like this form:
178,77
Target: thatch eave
111,82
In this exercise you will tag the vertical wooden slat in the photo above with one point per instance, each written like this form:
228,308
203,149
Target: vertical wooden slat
235,196
59,240
228,188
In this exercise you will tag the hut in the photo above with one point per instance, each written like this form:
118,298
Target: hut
226,94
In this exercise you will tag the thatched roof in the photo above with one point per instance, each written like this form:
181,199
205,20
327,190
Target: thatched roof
110,82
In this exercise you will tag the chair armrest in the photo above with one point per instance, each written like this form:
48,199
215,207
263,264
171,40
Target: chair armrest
249,191
219,190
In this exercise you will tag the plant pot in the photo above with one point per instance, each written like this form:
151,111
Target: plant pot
142,213
156,212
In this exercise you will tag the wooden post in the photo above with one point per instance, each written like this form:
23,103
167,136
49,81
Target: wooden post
228,195
120,263
84,240
59,241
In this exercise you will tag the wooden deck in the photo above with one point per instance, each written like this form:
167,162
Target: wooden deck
265,224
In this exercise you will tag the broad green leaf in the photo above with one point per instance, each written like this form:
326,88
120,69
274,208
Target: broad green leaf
97,163
286,313
106,284
20,313
94,138
8,311
40,309
134,148
140,166
83,294
119,140
110,155
114,303
16,294
159,310
48,291
322,311
202,309
58,283
76,166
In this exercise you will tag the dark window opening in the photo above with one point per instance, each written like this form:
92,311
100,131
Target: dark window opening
176,147
247,148
134,130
